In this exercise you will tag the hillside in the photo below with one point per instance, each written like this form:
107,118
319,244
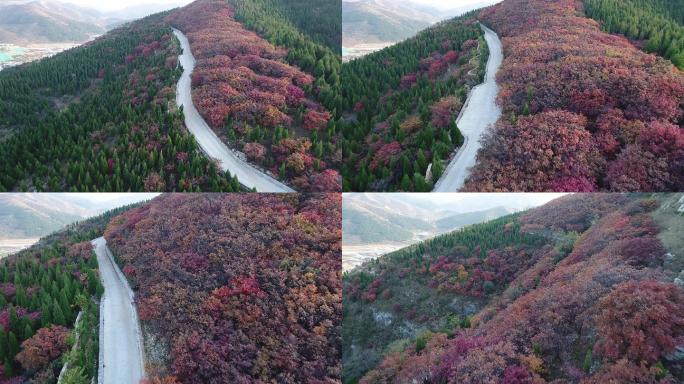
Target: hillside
235,288
101,117
47,22
583,110
399,106
578,290
268,94
43,290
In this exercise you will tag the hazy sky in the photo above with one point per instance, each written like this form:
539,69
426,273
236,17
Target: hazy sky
483,201
95,202
449,4
109,5
112,198
458,202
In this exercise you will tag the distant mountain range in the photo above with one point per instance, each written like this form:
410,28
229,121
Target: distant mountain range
29,215
35,216
382,21
369,218
47,21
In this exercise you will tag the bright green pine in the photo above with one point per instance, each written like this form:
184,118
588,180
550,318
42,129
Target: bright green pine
660,23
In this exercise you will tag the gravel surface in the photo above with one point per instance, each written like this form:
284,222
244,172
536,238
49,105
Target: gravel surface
247,174
121,358
480,113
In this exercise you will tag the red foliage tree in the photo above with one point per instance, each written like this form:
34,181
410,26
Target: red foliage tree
556,59
43,347
642,321
315,120
537,153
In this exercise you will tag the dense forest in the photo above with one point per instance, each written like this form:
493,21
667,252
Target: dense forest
42,292
578,290
236,288
255,100
400,105
583,110
658,23
102,117
320,20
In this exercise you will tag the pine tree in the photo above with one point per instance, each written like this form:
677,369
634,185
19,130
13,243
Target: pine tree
12,344
57,314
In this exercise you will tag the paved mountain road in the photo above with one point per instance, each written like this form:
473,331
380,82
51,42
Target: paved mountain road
121,352
247,174
479,114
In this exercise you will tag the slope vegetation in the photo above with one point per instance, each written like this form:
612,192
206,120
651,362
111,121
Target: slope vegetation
236,288
578,290
583,110
254,99
102,118
658,24
400,105
42,291
320,20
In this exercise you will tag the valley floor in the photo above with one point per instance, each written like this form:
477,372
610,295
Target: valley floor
10,246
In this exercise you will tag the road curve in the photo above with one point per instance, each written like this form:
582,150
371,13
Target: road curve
480,111
121,352
247,175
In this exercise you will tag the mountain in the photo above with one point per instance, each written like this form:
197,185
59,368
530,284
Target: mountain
504,301
376,21
372,218
45,21
113,101
462,219
384,21
25,215
363,226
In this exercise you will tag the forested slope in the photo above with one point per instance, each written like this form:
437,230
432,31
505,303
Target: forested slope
659,24
42,290
321,20
400,106
582,110
236,288
578,290
270,94
101,117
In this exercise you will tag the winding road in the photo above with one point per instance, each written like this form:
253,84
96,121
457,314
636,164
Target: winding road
247,175
121,352
479,113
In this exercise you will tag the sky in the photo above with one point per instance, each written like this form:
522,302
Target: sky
450,4
460,202
109,5
483,201
95,203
